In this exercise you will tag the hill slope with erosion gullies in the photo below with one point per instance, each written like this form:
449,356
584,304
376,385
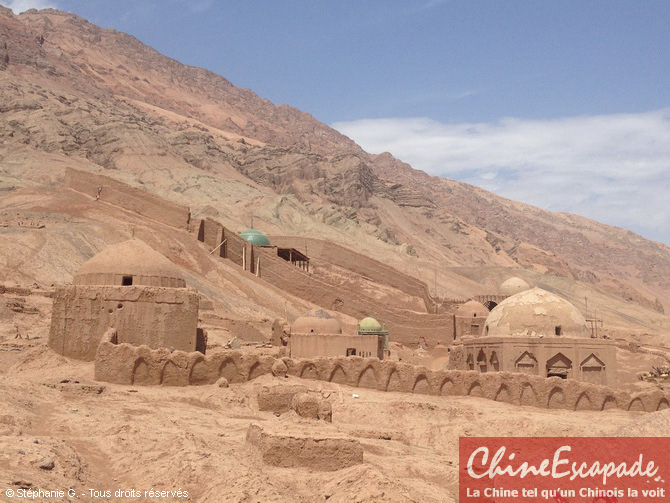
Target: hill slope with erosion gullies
74,94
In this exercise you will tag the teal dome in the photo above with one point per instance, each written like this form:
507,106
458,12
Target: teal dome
255,237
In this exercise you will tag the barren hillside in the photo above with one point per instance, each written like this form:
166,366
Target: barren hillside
73,94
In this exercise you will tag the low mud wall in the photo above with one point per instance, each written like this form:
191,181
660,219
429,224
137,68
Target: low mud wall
120,194
133,365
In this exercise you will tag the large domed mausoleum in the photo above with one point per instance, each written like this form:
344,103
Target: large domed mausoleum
536,313
129,287
540,333
131,262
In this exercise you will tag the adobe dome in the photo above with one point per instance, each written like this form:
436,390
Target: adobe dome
535,313
255,237
316,322
512,286
370,325
131,262
472,309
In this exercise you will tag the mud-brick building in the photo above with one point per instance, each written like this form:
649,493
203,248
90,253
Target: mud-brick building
537,332
469,319
317,333
132,288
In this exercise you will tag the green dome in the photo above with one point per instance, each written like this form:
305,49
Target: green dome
255,237
369,325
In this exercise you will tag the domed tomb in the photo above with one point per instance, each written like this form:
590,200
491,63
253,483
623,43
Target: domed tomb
471,309
256,237
133,289
513,286
128,263
535,313
316,322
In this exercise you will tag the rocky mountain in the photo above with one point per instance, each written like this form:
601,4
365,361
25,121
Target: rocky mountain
73,94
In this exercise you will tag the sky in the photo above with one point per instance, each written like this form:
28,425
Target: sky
563,105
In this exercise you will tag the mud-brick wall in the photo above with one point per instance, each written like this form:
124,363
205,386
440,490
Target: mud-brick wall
130,198
155,316
127,364
360,264
407,327
212,233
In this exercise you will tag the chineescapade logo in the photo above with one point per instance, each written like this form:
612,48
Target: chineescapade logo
564,470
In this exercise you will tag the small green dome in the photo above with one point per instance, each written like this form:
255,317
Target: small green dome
369,325
255,237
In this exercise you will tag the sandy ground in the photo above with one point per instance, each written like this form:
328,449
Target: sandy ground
108,437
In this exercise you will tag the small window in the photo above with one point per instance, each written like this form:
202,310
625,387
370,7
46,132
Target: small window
127,281
558,330
351,351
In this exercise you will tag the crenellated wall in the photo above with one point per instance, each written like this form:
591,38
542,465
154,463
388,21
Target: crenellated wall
120,194
126,364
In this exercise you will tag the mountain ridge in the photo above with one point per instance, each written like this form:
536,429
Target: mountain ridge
105,100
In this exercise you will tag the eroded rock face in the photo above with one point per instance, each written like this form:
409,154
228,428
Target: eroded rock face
324,452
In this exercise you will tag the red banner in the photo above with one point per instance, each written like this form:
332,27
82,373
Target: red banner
564,470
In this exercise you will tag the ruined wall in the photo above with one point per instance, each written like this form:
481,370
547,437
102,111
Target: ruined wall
130,198
468,326
212,233
360,264
410,328
155,316
407,327
126,364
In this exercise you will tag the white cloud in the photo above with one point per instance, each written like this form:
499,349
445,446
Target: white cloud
612,168
19,6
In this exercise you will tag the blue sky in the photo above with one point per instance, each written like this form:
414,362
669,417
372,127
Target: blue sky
564,105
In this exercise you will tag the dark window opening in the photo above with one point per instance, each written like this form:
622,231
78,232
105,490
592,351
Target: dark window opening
127,281
201,231
563,374
351,351
558,330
